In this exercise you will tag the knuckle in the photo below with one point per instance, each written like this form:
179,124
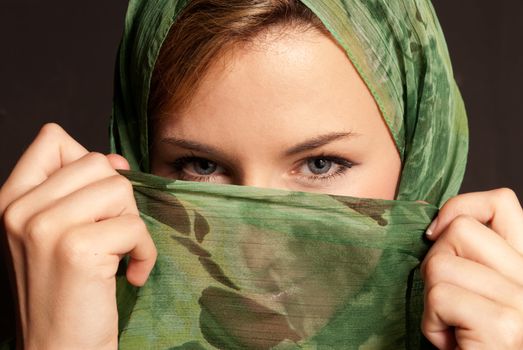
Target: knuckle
135,224
154,251
13,218
435,268
452,201
436,295
460,225
452,204
121,184
51,130
99,159
138,225
4,202
510,328
505,195
36,229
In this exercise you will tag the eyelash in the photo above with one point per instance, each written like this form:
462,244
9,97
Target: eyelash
180,163
344,165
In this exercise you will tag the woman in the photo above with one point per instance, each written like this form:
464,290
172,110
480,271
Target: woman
334,97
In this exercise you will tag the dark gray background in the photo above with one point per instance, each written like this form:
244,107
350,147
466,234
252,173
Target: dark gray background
57,56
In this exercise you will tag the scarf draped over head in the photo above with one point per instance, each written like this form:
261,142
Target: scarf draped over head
249,268
397,47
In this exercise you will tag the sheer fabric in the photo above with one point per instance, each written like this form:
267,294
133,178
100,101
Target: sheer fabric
248,268
243,268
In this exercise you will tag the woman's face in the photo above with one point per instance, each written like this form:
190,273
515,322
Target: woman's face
287,112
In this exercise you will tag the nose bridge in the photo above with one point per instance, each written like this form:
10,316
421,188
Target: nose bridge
261,178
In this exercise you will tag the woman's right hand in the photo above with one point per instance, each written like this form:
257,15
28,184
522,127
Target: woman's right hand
69,219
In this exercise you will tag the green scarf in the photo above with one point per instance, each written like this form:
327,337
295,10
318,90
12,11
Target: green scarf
246,268
249,268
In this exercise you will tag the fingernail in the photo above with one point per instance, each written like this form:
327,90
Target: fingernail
432,226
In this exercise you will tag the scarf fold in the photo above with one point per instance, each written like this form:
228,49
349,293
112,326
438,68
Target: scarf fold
248,268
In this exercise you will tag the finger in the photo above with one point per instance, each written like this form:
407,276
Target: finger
499,209
118,162
90,168
51,150
481,280
472,316
104,199
469,239
126,234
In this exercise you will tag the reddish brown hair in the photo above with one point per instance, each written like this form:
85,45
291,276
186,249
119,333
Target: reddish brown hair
205,30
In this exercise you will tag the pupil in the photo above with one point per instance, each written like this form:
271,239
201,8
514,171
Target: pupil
319,165
204,167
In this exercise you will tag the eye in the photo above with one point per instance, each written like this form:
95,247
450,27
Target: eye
194,168
322,168
203,166
319,165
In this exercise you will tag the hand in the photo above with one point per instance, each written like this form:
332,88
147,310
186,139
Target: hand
474,273
69,218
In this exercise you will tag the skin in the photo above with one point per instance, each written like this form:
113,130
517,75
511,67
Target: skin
304,84
59,198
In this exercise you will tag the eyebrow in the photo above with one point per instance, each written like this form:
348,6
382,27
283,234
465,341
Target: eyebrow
306,145
192,145
317,142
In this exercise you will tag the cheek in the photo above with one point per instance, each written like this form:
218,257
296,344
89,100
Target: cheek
377,177
381,171
381,181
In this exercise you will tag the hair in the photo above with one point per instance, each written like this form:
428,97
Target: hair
204,31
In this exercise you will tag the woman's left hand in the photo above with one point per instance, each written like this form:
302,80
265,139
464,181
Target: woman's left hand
474,273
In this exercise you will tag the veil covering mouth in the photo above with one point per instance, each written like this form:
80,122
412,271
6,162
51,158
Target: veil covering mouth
248,268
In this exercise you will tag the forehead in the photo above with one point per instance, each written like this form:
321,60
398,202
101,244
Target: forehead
298,81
